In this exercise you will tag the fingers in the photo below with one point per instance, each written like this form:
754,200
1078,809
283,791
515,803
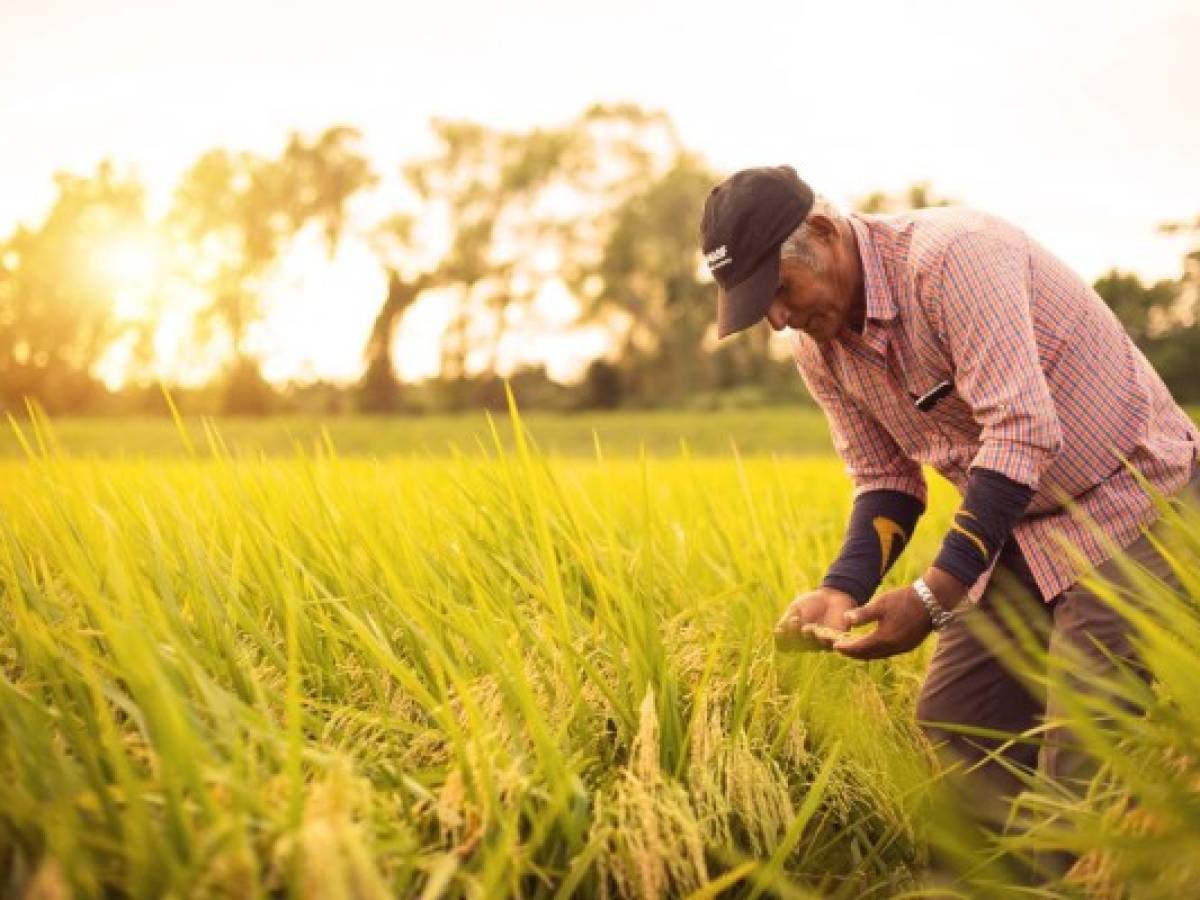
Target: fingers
796,617
870,612
823,634
809,626
792,634
877,643
788,634
790,621
796,641
869,646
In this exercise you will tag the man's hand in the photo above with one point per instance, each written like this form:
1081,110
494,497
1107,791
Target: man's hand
814,621
901,624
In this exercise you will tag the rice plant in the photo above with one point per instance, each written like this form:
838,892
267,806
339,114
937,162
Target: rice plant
229,676
499,674
1133,829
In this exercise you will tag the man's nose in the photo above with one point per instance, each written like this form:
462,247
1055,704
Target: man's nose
776,317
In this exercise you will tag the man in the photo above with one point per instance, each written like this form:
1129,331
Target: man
948,337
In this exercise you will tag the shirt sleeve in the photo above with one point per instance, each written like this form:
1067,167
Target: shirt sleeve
874,461
987,322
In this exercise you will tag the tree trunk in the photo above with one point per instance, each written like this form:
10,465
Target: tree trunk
379,390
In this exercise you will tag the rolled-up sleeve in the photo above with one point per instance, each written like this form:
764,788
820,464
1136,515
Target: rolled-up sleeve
874,461
987,323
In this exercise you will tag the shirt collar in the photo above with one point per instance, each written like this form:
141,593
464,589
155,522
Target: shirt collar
881,307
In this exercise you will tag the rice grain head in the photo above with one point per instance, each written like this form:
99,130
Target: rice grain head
336,861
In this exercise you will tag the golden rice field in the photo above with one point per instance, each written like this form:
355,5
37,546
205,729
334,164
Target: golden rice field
461,676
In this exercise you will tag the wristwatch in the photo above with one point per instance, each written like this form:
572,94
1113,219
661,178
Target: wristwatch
940,616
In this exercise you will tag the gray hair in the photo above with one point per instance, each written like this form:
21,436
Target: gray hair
798,244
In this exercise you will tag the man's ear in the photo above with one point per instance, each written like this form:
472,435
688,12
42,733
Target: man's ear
823,227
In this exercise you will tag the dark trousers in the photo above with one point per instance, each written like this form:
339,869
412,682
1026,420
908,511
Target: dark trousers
968,684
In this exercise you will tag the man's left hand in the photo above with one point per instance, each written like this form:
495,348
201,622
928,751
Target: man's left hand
901,624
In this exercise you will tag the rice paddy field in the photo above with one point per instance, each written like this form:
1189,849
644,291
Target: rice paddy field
786,431
243,662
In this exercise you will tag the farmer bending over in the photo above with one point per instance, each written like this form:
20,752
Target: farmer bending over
951,338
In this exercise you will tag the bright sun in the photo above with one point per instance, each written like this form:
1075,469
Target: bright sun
133,264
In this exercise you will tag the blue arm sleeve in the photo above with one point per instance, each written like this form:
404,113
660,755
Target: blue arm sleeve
991,507
881,525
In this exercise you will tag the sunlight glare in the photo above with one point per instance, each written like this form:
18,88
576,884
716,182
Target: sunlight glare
133,265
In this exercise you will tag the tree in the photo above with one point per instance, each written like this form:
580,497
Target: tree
496,216
1176,357
1188,308
58,282
1158,318
1171,340
238,211
379,388
649,277
479,186
918,195
1144,311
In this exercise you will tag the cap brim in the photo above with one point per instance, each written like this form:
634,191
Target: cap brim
748,301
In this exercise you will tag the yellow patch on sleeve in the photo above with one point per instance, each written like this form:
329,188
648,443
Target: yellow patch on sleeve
887,531
974,538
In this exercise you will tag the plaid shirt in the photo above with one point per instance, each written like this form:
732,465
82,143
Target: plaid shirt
1047,387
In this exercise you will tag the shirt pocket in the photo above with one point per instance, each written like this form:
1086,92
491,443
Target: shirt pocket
924,365
954,414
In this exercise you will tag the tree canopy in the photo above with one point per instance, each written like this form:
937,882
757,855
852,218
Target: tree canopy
58,287
601,210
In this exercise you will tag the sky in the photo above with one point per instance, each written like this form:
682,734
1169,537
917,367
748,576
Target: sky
1076,120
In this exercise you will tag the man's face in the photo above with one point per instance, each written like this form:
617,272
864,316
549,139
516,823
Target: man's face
815,301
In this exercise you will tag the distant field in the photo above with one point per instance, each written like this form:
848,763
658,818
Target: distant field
778,431
798,431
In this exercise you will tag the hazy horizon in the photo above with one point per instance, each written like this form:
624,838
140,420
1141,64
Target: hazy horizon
1071,120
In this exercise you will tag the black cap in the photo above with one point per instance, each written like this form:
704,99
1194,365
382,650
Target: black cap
746,217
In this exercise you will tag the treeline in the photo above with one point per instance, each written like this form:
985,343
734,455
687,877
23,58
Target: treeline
603,208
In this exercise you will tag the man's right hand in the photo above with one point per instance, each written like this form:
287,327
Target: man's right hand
814,621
